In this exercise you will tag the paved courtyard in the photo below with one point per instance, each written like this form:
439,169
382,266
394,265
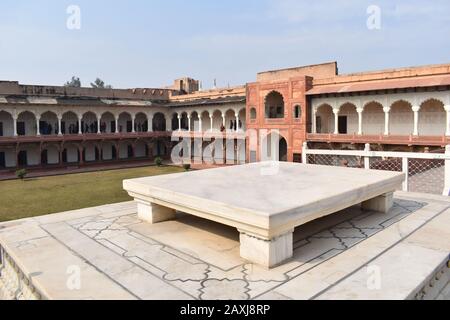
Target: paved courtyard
108,253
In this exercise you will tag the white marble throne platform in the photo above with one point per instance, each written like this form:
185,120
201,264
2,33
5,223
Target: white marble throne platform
264,201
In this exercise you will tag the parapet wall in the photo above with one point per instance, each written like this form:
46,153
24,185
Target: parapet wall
398,73
211,94
319,71
14,88
14,284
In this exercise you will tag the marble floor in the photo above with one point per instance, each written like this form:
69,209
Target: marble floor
108,253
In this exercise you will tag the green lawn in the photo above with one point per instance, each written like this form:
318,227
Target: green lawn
39,196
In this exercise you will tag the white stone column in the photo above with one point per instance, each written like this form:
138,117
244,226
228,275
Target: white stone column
386,120
237,122
223,120
447,131
38,126
98,124
179,123
59,126
168,123
200,126
116,118
336,121
15,125
446,191
211,118
150,122
189,122
366,157
305,153
416,110
314,121
360,114
80,131
133,120
405,170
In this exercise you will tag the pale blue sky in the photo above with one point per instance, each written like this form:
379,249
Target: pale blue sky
139,43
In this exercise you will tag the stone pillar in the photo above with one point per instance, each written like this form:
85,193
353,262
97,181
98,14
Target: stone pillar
153,213
381,203
100,152
80,153
237,122
98,125
446,191
305,153
386,120
360,114
336,121
211,118
447,131
38,126
223,120
15,125
405,170
314,121
80,131
133,120
150,123
117,124
59,126
189,122
168,124
416,110
266,252
367,158
60,152
200,125
179,123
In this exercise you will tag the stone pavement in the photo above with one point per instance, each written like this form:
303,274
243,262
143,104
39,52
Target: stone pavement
108,253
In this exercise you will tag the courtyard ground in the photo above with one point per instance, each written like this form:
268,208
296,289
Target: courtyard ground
351,255
45,195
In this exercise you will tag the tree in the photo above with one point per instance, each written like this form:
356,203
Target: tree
99,83
74,83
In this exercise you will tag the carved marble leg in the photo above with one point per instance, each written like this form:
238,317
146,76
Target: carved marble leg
268,253
381,203
154,213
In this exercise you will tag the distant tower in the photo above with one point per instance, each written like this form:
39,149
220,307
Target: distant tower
186,85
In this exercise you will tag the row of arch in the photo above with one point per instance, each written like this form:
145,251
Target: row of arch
79,153
48,123
30,123
430,118
231,119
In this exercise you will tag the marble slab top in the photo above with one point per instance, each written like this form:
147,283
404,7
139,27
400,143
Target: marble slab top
268,189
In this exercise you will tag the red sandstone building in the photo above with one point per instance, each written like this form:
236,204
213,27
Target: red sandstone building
405,109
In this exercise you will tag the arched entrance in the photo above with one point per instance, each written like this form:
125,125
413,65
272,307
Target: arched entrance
432,117
282,151
159,122
274,148
324,119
